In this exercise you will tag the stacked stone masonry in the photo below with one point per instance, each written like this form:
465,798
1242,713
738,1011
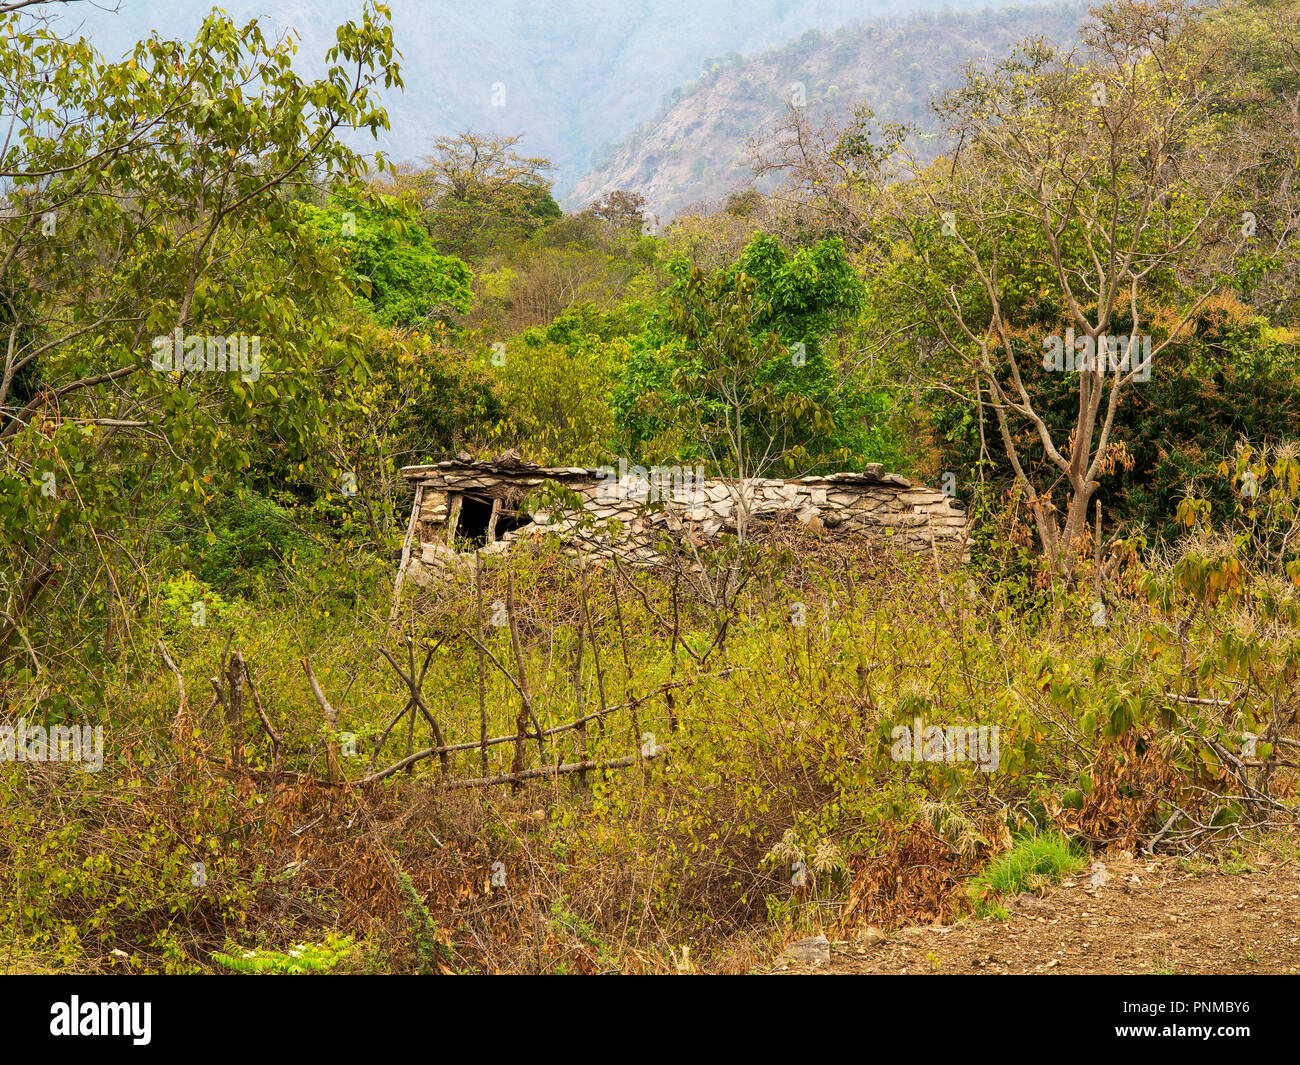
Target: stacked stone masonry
473,503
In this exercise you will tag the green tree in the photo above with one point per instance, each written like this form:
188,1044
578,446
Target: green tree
1090,199
479,194
737,371
557,385
146,199
390,261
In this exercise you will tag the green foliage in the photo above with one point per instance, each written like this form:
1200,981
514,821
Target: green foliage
427,942
143,246
737,371
773,747
246,541
301,959
1235,376
390,261
186,194
107,878
478,194
802,295
179,596
398,398
558,395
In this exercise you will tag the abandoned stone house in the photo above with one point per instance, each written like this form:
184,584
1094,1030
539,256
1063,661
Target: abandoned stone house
467,504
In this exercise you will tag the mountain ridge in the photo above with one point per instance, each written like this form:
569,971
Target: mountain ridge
577,74
694,149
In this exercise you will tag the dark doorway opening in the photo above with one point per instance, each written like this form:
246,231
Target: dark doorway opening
473,524
476,515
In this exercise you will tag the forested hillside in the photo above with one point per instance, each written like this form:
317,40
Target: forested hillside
232,740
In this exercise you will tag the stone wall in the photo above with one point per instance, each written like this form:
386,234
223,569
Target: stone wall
481,499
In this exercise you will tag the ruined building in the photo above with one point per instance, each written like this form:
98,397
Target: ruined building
465,505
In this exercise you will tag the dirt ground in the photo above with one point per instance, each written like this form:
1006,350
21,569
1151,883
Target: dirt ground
1151,915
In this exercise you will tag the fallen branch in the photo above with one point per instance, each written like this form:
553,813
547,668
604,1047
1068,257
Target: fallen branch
1150,848
550,771
1198,702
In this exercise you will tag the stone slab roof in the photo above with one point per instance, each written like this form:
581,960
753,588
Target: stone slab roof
873,474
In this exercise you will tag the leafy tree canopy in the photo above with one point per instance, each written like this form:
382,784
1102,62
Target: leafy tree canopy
390,260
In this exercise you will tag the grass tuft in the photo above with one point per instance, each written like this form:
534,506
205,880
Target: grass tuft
1034,862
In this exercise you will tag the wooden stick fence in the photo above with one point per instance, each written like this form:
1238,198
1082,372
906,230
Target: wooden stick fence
579,724
235,673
